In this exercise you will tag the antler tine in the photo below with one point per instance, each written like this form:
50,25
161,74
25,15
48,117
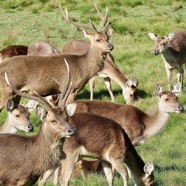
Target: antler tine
38,98
104,22
66,16
67,87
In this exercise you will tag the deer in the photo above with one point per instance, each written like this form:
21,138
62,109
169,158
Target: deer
27,158
18,119
38,72
110,71
173,51
42,48
12,50
102,138
138,125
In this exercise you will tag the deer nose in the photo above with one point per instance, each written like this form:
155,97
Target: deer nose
155,52
30,127
71,131
110,47
181,108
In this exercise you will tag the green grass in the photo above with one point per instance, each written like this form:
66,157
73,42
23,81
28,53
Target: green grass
24,22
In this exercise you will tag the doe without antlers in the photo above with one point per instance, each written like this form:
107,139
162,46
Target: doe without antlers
173,51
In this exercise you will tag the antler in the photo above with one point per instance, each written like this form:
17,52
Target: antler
88,26
67,88
36,98
105,22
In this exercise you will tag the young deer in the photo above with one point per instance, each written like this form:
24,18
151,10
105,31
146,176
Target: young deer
12,50
173,51
18,119
109,71
38,72
138,125
102,138
26,158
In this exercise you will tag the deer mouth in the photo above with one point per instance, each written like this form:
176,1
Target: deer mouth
179,109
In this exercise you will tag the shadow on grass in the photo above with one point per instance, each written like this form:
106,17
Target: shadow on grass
85,94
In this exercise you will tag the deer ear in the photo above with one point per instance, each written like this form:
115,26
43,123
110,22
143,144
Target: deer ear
41,113
177,88
10,105
170,36
153,36
135,82
148,168
31,105
159,89
109,32
70,108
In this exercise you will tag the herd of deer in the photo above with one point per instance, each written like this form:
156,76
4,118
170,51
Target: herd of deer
72,130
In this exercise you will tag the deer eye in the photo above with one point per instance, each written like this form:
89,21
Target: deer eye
167,99
98,40
53,121
17,116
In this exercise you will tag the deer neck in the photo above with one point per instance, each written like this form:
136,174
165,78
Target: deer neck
94,60
155,123
7,127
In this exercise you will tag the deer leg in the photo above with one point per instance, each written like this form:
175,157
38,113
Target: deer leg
43,178
180,76
109,88
108,172
67,166
169,75
119,166
92,86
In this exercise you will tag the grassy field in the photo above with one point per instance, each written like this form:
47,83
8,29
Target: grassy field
24,22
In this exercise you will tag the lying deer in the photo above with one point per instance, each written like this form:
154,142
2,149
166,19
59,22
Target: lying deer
18,119
138,125
12,50
110,70
25,158
173,51
38,72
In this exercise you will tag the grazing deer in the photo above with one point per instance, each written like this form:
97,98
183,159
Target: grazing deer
42,48
12,50
38,73
173,51
26,158
110,70
18,119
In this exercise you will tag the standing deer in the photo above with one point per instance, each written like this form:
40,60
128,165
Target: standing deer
110,70
38,72
26,158
18,119
173,51
102,138
12,50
